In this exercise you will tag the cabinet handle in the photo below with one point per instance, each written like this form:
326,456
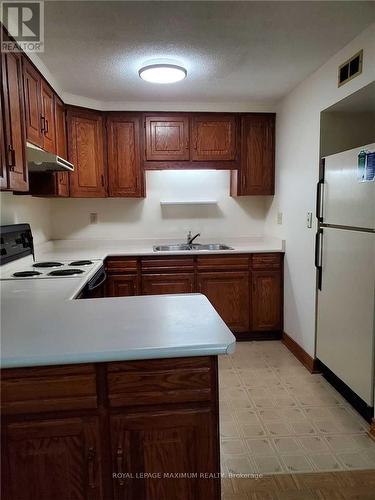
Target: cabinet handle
47,128
12,162
102,179
43,123
120,465
91,467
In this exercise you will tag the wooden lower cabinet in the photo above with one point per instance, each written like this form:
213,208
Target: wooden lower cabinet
55,459
148,417
147,444
266,300
158,284
229,293
121,285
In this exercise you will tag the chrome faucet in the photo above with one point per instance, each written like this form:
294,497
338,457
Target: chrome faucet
190,238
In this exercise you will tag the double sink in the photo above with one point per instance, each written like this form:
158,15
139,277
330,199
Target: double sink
183,247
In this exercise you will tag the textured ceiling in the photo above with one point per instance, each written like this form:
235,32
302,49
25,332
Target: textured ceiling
233,51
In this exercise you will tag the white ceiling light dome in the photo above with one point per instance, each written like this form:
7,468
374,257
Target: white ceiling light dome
162,73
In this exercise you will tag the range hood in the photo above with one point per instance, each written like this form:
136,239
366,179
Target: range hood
41,161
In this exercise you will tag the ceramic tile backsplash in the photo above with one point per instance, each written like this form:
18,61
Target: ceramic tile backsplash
277,418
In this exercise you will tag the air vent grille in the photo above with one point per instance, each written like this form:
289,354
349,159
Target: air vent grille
350,68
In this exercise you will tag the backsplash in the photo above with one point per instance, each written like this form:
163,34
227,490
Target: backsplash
120,218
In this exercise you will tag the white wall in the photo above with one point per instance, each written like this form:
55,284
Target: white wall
25,209
131,218
297,163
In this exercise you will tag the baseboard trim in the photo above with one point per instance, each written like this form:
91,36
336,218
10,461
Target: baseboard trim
302,356
371,432
248,336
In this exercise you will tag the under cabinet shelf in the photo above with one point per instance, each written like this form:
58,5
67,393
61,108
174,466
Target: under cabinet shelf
164,203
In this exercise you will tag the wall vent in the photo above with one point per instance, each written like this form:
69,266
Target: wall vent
350,68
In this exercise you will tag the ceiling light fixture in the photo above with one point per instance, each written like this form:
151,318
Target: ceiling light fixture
162,73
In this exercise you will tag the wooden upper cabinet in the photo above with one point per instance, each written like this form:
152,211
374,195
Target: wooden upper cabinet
53,459
61,178
213,138
125,174
3,157
33,104
86,152
266,300
48,118
14,124
257,170
167,138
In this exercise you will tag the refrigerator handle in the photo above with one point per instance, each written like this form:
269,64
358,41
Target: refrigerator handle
318,256
319,204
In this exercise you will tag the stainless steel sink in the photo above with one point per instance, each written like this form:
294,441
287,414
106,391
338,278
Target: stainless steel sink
183,247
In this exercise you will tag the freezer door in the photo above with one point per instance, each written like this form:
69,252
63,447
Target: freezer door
346,200
345,323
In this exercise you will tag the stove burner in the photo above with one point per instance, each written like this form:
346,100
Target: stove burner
26,274
47,264
81,263
65,272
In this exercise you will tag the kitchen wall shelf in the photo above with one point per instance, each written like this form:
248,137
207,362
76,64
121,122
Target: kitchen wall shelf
165,203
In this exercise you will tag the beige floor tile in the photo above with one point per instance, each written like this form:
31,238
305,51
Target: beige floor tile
287,445
278,429
302,428
313,444
246,416
297,463
239,465
233,447
325,462
252,430
356,460
260,446
229,430
268,465
343,443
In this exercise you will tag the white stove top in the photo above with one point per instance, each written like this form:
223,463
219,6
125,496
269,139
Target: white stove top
26,268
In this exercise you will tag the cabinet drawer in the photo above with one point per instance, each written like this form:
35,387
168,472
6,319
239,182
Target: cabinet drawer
154,382
226,263
266,261
35,390
160,264
121,265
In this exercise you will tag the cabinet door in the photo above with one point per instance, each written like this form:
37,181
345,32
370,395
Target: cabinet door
62,178
213,138
48,120
266,300
158,284
228,292
33,104
86,152
3,158
53,459
167,138
257,169
121,285
125,175
164,443
15,140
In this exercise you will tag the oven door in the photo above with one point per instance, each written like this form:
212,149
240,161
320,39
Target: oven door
95,288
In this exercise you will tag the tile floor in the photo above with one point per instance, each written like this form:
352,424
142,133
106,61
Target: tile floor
277,418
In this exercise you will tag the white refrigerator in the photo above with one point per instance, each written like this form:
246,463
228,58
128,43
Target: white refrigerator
345,261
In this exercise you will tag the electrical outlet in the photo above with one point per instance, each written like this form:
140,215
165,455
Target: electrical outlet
309,220
94,218
279,218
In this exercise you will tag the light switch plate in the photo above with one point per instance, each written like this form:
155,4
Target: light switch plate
93,218
279,218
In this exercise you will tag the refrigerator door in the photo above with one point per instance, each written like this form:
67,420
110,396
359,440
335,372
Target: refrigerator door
346,200
345,323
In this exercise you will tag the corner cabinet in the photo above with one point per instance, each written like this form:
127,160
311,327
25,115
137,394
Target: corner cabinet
256,175
86,152
125,176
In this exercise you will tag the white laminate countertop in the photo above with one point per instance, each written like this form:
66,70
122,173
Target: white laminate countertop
100,249
42,325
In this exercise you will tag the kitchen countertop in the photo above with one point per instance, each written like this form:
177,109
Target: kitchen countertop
41,325
100,249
